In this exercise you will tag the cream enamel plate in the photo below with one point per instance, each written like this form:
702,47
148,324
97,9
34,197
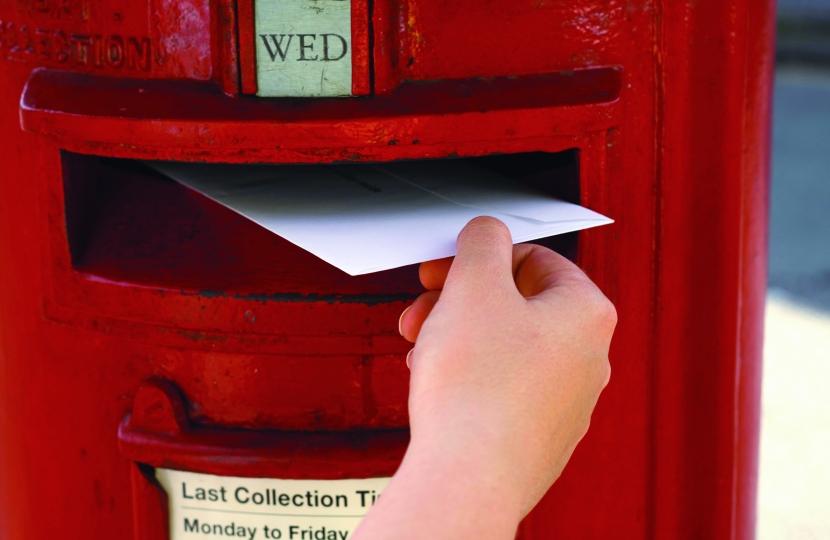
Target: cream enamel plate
207,506
303,48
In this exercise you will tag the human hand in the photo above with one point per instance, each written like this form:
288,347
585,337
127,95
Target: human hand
511,354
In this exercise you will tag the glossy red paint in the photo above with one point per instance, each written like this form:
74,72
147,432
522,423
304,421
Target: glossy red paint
247,46
142,325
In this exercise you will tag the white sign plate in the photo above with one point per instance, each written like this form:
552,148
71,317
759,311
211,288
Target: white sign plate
208,506
303,48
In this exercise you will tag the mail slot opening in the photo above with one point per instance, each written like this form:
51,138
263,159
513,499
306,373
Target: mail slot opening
127,222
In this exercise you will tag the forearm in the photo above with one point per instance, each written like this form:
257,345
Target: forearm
441,494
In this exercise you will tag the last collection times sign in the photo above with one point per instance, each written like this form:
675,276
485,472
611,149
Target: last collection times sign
208,506
303,48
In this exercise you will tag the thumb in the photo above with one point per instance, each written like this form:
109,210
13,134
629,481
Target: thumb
484,261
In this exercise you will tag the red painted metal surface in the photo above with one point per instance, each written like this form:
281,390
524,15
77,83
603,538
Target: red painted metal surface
247,46
111,277
361,69
159,433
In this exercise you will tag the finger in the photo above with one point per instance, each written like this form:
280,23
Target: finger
520,253
538,269
484,260
412,319
433,274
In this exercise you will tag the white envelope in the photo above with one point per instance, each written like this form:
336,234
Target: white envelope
372,217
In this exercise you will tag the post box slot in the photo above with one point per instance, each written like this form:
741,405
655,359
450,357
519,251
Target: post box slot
128,223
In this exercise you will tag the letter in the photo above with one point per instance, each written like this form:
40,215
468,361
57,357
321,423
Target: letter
316,499
320,534
265,531
44,43
217,528
292,530
61,46
138,57
294,499
308,498
277,45
5,35
326,48
200,494
363,498
115,51
205,528
284,500
42,6
232,528
184,492
323,500
257,498
97,51
343,534
345,501
303,47
222,491
191,527
26,37
64,10
236,495
252,532
82,44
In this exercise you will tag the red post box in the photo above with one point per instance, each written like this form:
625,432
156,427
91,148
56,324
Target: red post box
145,329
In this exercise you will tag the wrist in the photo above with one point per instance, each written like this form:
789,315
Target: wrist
469,468
475,440
440,493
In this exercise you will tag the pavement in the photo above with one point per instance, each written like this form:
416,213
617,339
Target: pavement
794,487
794,490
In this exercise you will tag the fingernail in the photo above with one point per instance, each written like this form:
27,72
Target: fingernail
400,320
408,357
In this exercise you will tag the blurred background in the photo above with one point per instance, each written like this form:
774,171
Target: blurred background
794,491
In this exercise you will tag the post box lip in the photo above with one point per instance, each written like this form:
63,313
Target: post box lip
179,99
196,121
165,437
268,453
